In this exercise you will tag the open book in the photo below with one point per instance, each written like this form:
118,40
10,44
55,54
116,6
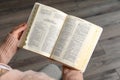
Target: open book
61,37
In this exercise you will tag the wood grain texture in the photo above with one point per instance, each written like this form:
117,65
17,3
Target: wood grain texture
105,62
109,75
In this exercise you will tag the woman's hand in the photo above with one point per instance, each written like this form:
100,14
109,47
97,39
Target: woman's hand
9,47
17,31
71,74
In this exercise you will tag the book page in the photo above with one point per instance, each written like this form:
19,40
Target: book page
45,30
75,34
29,24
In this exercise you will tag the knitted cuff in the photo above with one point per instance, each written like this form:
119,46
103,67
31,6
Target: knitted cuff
8,48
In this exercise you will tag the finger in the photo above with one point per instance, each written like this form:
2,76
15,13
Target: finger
17,27
66,71
19,35
22,24
21,28
67,75
73,74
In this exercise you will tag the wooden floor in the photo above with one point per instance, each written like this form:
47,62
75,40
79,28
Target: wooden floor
105,62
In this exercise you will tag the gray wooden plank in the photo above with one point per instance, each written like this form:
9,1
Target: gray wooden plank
110,31
23,54
105,19
17,16
88,3
15,4
52,2
118,71
98,51
33,63
96,7
66,6
102,67
112,76
109,75
111,46
110,60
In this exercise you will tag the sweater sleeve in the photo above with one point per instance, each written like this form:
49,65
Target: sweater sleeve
8,48
27,75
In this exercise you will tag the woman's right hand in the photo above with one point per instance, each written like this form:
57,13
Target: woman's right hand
71,74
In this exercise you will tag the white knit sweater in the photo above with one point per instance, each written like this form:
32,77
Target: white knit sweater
7,50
